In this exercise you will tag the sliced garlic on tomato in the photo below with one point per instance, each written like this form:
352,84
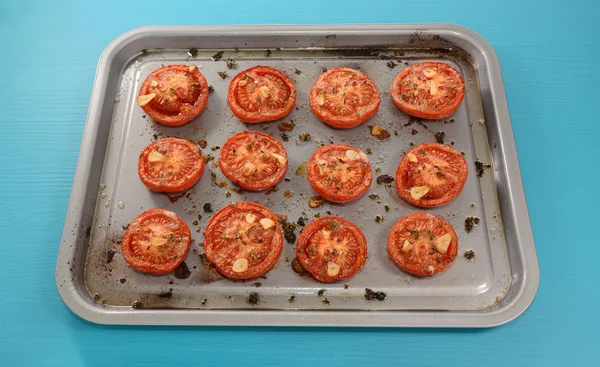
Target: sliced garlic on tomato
406,246
282,161
412,157
433,89
320,99
430,268
192,68
442,243
158,241
266,223
418,192
145,99
154,83
352,155
155,156
250,218
240,265
326,234
333,269
250,166
429,73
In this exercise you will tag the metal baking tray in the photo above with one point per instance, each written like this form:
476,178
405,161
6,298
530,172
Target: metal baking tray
499,284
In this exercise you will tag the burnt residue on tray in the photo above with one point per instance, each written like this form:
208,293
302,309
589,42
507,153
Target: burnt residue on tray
469,255
168,294
480,167
193,52
217,56
292,299
257,284
110,254
321,292
297,267
122,280
182,271
253,299
137,305
439,137
371,295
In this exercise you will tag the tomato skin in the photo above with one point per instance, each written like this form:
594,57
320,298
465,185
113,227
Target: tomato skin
232,151
184,88
223,247
340,229
452,179
171,228
338,168
253,83
344,98
413,93
421,230
190,170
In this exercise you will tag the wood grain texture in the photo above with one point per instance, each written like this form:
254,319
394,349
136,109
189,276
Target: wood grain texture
549,54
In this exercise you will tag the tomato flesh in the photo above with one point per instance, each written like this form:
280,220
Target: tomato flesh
331,249
415,244
339,173
253,160
174,94
243,240
436,168
429,90
156,242
344,98
261,94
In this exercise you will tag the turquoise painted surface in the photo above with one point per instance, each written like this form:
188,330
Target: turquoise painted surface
549,54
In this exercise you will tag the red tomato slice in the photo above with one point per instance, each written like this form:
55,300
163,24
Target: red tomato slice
261,94
331,249
243,240
429,90
170,165
431,174
156,242
339,173
253,160
422,244
344,98
174,94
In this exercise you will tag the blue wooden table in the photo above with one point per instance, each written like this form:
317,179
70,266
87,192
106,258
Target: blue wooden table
549,54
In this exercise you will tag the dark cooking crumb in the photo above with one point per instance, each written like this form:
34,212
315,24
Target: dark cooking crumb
122,280
390,64
370,295
385,179
257,284
137,304
373,196
202,143
231,63
345,286
387,208
222,74
110,254
271,189
267,53
292,299
298,72
480,168
211,89
414,132
288,194
325,301
207,208
167,294
215,147
125,226
470,222
321,292
369,151
204,302
217,56
469,255
315,201
439,136
379,219
286,126
304,137
302,221
193,52
285,137
288,231
253,299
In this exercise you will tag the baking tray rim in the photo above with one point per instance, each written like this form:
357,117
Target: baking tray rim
79,302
